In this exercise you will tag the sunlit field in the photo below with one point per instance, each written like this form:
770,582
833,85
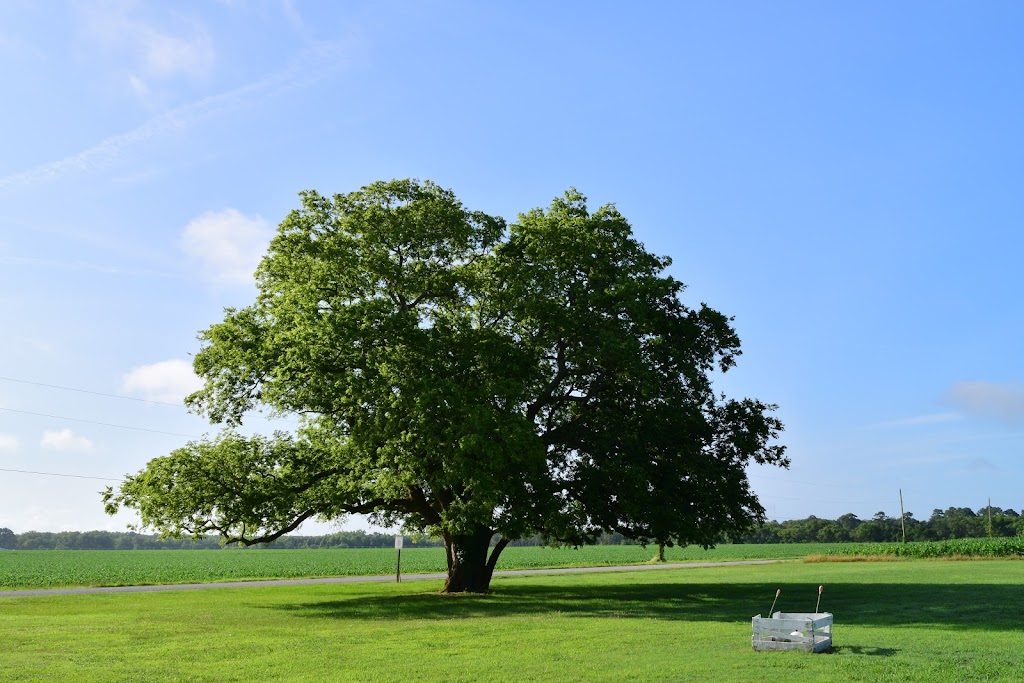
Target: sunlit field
915,620
25,569
60,568
55,568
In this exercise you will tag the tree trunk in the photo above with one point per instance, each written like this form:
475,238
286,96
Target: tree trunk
469,568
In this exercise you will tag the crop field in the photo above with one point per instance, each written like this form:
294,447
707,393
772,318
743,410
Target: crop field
912,620
964,547
24,569
59,568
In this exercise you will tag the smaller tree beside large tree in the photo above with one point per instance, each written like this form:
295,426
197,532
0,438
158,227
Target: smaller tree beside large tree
465,378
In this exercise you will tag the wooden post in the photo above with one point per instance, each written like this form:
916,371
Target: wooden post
903,518
398,560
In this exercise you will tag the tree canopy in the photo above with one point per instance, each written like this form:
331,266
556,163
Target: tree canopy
465,378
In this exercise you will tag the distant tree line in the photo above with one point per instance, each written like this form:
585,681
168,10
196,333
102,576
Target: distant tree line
114,540
952,522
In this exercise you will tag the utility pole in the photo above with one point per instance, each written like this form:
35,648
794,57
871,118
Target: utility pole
990,517
903,518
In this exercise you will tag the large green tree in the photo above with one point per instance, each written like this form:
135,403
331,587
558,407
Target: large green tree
465,378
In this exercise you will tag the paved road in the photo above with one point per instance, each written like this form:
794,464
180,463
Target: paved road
364,579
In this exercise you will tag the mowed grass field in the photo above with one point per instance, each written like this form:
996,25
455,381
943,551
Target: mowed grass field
23,569
916,620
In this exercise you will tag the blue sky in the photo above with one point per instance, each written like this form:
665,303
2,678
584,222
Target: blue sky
844,179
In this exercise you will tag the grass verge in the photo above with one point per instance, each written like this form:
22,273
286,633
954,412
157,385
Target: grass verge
897,621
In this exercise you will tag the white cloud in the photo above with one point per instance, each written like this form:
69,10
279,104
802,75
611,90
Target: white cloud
167,55
227,244
65,440
169,381
989,400
145,50
8,443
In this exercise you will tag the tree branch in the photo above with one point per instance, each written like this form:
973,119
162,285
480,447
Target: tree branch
549,389
495,552
417,495
267,538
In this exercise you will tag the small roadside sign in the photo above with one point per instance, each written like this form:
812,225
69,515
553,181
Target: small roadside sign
398,542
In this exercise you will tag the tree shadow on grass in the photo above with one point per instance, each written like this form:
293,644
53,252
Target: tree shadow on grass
862,650
960,606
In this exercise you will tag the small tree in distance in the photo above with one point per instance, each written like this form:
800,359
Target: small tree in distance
465,379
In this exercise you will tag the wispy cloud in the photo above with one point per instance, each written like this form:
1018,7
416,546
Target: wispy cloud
144,50
291,13
82,265
989,400
917,420
65,440
312,66
169,381
981,465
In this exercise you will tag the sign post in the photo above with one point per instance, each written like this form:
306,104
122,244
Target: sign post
398,560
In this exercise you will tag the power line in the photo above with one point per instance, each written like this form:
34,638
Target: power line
57,474
94,393
102,424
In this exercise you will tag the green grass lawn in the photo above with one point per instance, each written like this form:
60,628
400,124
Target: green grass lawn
895,621
56,568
